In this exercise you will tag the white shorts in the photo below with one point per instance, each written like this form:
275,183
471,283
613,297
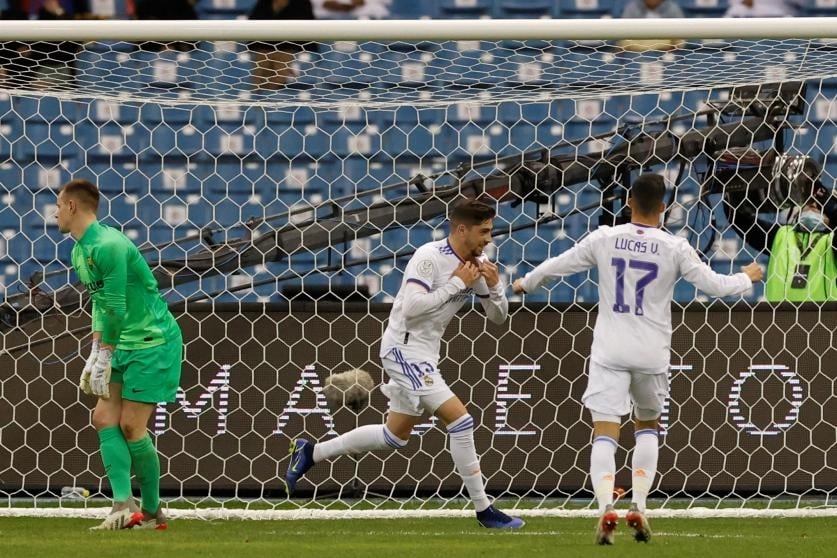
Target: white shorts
610,393
405,396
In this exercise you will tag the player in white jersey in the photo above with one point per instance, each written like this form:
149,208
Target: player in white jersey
638,265
439,278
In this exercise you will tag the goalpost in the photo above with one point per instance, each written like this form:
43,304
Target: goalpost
279,213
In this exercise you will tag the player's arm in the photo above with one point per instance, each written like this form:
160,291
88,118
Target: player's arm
419,296
704,278
112,259
580,257
495,303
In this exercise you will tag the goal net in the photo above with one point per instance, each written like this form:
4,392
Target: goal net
278,184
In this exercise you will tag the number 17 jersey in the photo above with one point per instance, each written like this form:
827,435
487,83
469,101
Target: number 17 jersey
638,266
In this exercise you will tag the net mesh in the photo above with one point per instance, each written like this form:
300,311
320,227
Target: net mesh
279,188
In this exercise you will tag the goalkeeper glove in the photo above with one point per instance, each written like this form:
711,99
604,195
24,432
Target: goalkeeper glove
84,381
100,374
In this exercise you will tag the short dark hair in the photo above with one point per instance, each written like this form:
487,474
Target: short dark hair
83,191
471,212
648,192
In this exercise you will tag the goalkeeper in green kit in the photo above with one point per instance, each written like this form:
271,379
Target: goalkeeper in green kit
136,354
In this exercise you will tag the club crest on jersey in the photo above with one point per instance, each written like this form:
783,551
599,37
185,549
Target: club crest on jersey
425,268
428,381
90,262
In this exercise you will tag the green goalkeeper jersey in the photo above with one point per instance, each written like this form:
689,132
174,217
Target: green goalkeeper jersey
127,307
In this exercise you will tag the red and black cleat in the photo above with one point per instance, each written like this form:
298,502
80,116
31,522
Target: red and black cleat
637,521
606,526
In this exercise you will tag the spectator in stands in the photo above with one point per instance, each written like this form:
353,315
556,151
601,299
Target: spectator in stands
16,61
274,61
166,9
803,252
41,65
759,8
338,9
642,9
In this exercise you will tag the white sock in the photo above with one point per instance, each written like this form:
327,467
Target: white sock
362,439
644,465
464,453
603,469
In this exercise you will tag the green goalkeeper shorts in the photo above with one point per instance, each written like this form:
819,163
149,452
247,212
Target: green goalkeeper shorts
149,375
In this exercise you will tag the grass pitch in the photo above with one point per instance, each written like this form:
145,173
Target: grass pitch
424,538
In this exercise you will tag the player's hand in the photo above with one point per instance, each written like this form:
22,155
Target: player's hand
468,272
754,271
517,286
490,273
100,374
84,380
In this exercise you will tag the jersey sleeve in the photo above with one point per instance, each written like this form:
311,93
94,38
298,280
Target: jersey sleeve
97,317
419,296
580,257
704,278
420,270
112,260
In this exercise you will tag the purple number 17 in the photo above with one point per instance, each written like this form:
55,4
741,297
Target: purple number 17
650,269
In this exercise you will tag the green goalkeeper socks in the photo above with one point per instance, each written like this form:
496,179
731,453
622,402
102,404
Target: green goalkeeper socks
147,468
117,461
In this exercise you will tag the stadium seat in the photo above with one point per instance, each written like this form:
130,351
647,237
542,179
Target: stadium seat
525,9
704,8
298,115
44,109
585,8
818,8
454,9
43,140
463,64
413,142
409,9
223,9
291,142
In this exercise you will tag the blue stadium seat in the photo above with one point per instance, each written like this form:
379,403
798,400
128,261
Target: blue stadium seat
299,115
6,107
97,65
215,141
352,64
152,113
453,9
291,142
414,142
355,140
472,63
119,208
407,69
526,9
112,178
223,9
704,8
7,135
43,140
818,8
101,111
462,113
586,8
111,139
167,69
408,9
45,109
587,68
